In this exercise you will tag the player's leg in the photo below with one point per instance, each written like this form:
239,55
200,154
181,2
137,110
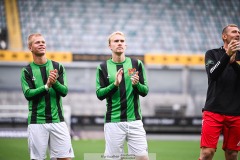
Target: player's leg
231,133
60,145
38,137
115,136
137,141
212,126
207,153
231,154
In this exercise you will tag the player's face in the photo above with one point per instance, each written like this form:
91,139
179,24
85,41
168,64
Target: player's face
117,44
38,46
232,33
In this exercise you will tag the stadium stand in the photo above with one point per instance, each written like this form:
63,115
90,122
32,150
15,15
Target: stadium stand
173,26
2,15
3,28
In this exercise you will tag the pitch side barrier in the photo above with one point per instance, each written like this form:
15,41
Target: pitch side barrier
151,124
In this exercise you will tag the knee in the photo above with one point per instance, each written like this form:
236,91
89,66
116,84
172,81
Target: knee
231,154
207,153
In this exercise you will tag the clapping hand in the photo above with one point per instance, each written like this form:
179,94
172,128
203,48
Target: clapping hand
52,78
135,78
118,77
233,46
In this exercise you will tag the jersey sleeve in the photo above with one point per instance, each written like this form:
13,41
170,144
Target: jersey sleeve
103,88
235,64
214,67
28,87
60,86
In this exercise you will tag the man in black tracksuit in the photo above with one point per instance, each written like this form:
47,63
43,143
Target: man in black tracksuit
221,112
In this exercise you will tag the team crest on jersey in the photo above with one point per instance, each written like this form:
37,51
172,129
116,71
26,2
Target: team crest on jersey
209,62
108,76
132,71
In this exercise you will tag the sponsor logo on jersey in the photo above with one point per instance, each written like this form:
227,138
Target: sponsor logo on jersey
33,78
214,67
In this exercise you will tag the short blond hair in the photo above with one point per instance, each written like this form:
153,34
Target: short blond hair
115,33
29,41
226,27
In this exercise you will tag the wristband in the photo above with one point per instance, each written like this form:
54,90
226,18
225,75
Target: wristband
46,87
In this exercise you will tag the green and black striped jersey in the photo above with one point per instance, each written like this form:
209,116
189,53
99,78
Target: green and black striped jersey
44,106
123,101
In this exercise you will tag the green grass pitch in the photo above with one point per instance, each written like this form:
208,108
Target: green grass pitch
16,149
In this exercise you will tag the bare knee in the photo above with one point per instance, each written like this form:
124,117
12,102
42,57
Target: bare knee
207,153
231,154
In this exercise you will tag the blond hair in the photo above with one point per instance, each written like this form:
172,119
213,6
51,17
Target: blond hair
115,33
226,27
29,41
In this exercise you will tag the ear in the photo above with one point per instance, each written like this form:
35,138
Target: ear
224,36
29,47
109,46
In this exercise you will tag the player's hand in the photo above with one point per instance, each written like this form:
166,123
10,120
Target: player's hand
118,77
52,78
233,58
135,78
232,47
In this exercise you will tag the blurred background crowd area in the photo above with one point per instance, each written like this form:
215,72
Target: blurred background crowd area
82,26
169,36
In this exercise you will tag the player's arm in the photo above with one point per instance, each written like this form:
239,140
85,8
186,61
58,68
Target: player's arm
60,86
235,65
28,87
141,87
102,90
214,68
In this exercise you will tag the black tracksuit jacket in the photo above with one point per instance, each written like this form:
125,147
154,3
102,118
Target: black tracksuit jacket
223,94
